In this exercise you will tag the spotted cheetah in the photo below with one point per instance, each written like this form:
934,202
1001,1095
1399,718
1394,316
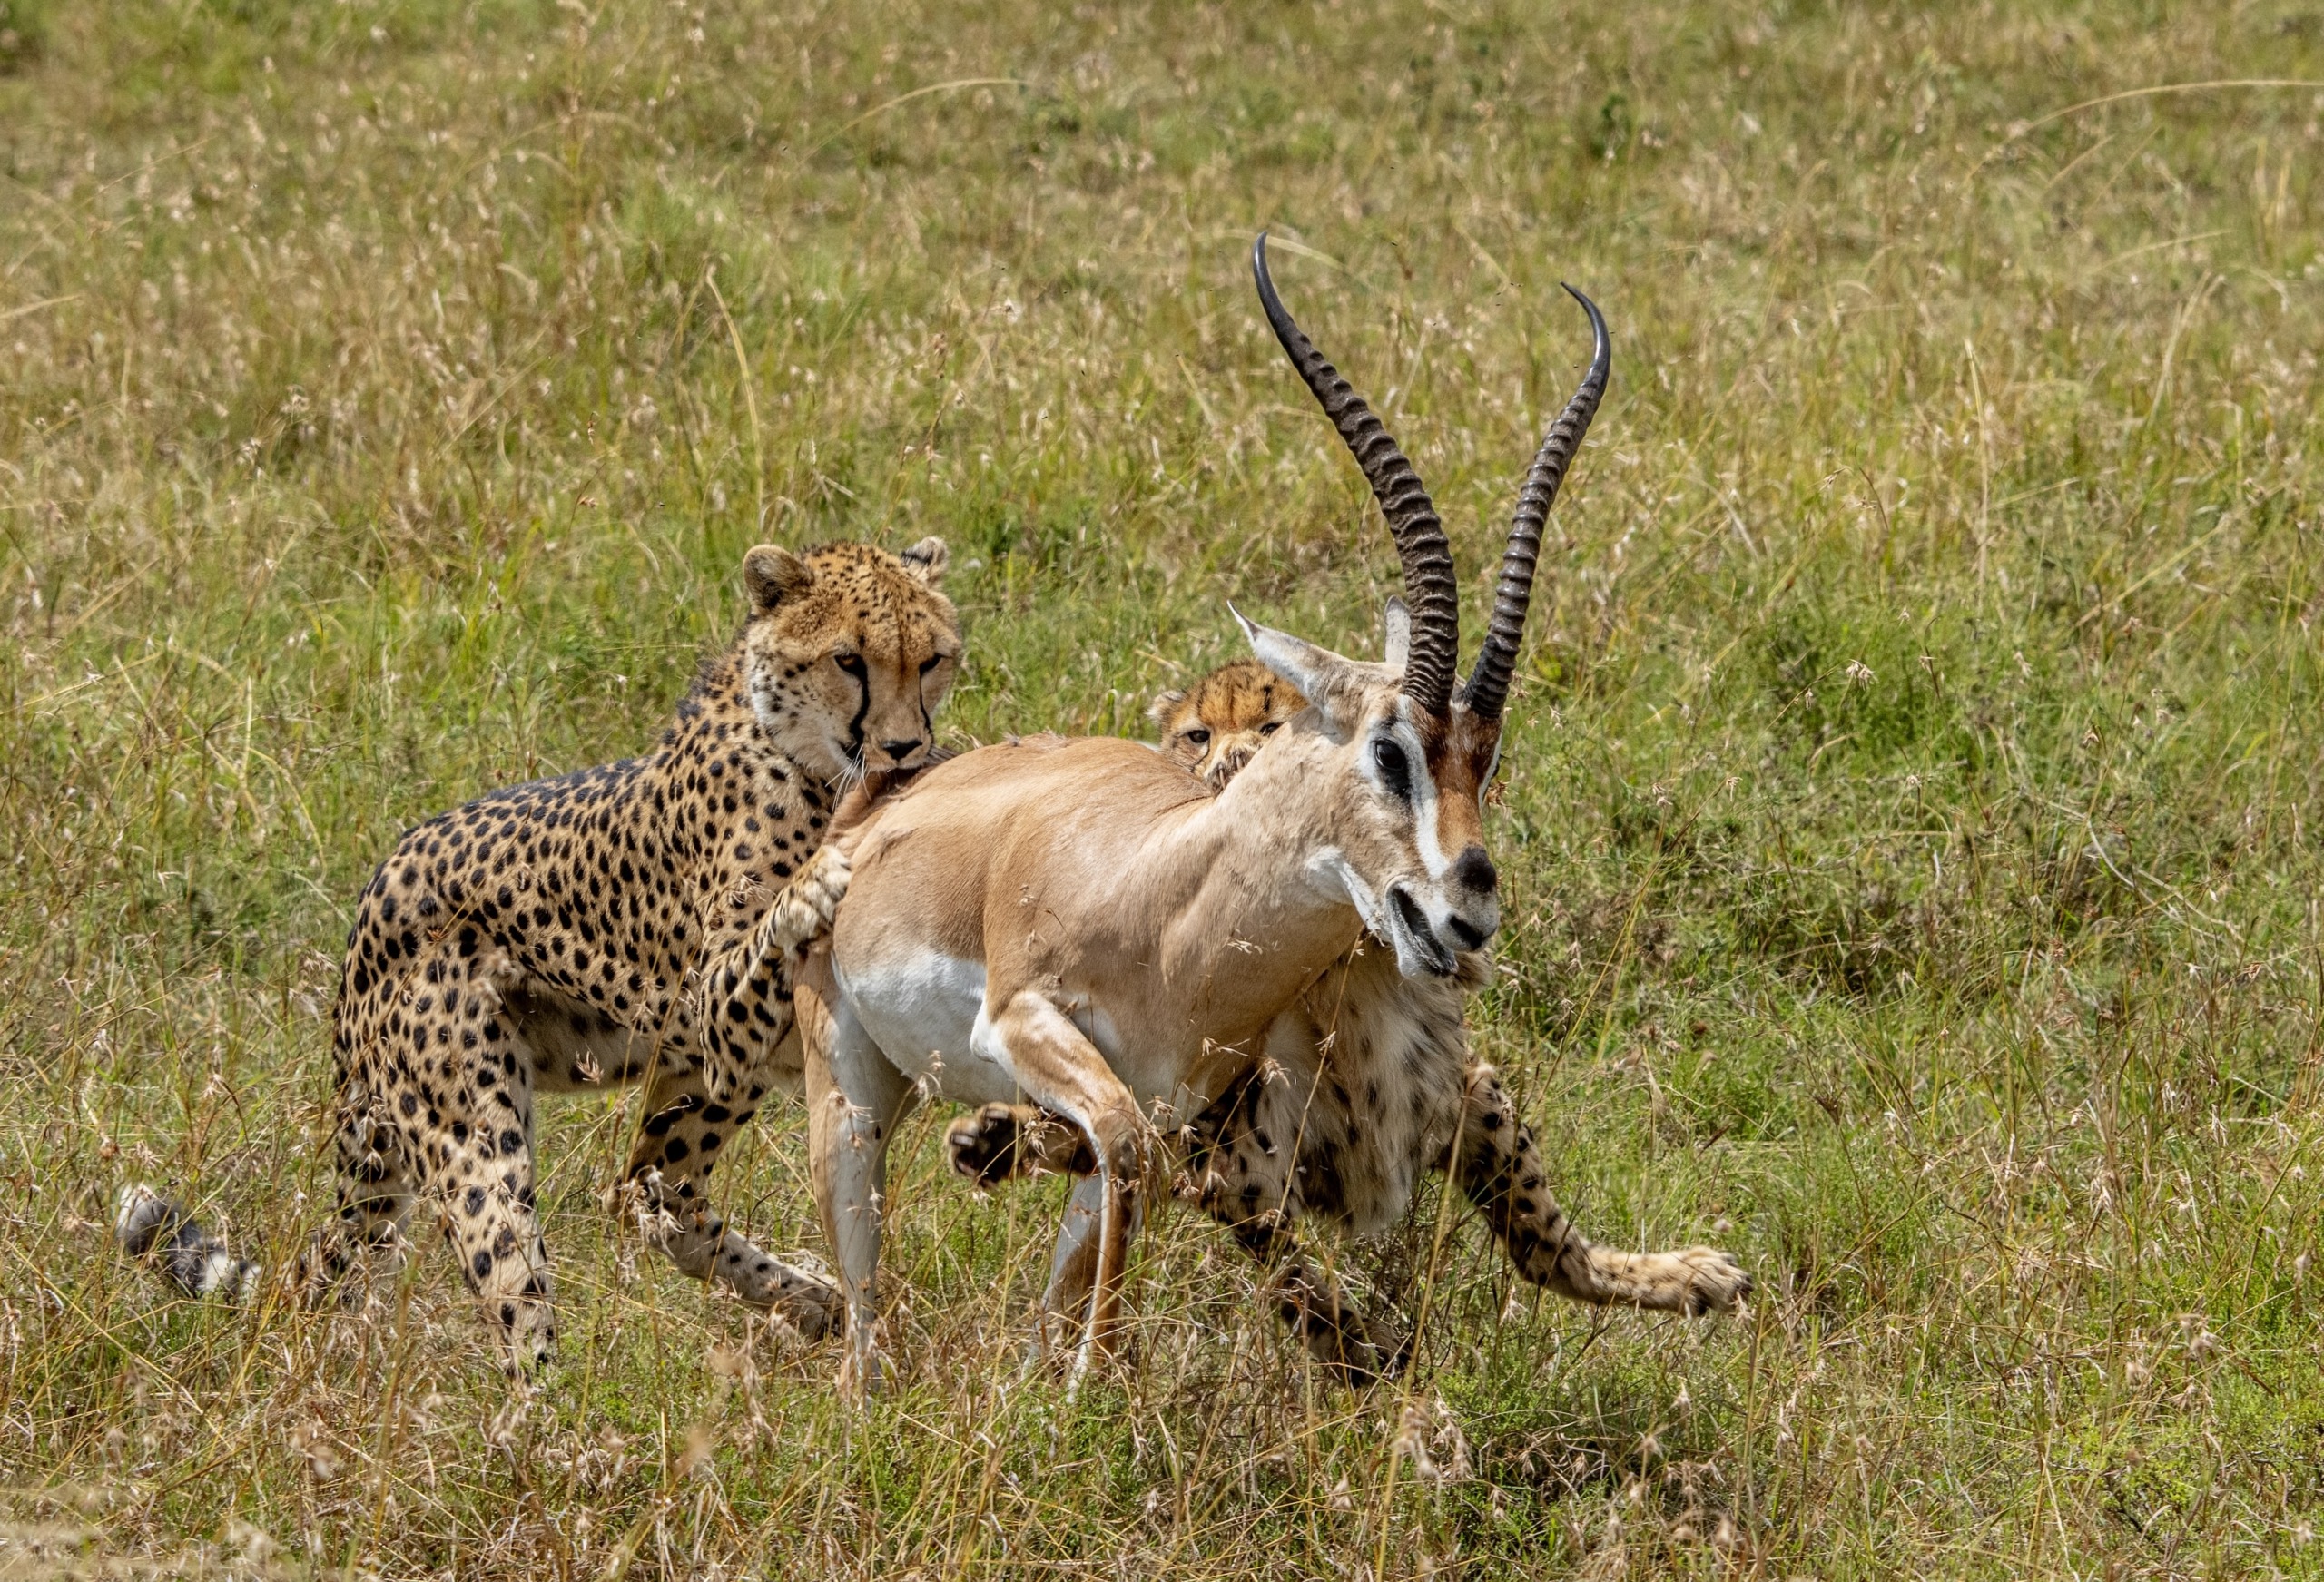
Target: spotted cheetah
636,922
1366,1085
1214,726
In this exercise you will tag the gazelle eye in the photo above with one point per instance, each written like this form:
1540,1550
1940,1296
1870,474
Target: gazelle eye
1198,736
1395,769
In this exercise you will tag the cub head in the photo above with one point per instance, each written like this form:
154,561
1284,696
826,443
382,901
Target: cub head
848,652
1214,726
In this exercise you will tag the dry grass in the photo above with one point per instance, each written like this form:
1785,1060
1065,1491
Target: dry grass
1908,824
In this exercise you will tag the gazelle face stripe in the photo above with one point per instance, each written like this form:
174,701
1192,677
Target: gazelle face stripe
1423,794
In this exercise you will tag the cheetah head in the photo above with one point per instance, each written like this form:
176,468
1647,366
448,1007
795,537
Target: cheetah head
847,652
1214,726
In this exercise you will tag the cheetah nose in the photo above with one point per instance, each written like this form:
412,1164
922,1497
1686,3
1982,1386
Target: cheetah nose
898,751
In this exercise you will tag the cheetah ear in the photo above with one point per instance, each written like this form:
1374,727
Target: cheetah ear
927,560
773,574
1399,623
1164,705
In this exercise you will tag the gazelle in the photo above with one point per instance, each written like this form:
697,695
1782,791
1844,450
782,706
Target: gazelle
1079,924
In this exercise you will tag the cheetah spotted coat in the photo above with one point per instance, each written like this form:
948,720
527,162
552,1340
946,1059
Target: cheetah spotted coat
637,922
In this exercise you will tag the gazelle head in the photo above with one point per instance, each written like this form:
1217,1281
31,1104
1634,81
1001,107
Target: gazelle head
1406,755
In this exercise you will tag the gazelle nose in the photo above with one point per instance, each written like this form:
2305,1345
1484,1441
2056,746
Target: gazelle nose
1472,870
1469,936
898,751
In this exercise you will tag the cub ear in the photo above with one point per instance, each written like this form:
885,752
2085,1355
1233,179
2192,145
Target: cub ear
1399,624
773,574
927,560
1164,705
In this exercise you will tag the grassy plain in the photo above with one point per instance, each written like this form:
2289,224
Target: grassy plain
1909,821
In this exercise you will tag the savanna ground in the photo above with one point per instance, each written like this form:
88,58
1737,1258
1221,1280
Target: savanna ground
1908,816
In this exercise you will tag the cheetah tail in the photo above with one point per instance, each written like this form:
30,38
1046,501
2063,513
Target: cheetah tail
155,1230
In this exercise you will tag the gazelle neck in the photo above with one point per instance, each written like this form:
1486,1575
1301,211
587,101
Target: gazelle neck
1245,891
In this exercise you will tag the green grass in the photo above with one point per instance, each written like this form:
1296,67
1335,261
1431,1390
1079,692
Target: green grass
1909,827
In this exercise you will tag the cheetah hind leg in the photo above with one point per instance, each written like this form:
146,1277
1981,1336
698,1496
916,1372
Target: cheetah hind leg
1243,1180
357,1255
668,1174
1501,1171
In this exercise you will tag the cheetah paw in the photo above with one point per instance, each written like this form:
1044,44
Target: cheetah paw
1001,1141
809,901
1713,1281
1358,1351
806,1303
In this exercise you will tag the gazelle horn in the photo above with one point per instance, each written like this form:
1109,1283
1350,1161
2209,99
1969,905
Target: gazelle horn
1488,686
1429,584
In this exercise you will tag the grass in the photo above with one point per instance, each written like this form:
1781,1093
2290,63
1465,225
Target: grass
1908,826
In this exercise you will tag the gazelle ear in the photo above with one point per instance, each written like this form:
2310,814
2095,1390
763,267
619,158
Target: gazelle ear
773,574
927,560
1323,677
1399,624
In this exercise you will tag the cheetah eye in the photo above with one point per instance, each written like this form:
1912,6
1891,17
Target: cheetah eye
1271,727
1198,736
850,663
930,662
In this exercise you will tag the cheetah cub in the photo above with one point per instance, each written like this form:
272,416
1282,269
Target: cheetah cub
1214,726
636,922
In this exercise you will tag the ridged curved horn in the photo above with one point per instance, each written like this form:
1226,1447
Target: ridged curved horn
1429,583
1488,686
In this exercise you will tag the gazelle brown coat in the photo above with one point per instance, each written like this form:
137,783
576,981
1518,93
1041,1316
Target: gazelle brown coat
1078,925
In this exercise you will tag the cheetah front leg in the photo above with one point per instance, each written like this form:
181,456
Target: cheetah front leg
1501,1171
670,1163
741,1008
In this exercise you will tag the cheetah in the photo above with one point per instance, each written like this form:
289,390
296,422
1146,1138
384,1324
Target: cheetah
638,922
1362,1087
1214,726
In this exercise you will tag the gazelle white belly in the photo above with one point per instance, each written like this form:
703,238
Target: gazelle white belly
925,1013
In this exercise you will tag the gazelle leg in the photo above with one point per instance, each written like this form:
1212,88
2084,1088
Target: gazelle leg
1232,1176
1002,1142
1063,1072
855,1097
1073,1267
1501,1171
